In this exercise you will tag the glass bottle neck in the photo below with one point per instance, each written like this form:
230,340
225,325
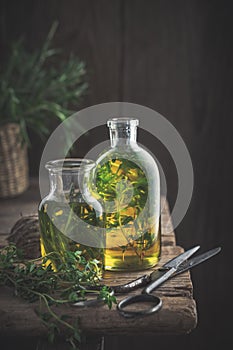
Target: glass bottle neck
62,183
69,176
123,136
56,184
74,187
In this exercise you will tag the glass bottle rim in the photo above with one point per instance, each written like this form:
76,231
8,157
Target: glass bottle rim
70,165
122,122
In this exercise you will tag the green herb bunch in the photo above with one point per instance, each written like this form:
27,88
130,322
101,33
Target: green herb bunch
129,202
34,281
35,87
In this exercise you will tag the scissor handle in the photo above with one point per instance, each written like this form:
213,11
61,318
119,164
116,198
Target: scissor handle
140,298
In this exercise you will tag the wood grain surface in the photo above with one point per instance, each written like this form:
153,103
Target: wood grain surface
177,316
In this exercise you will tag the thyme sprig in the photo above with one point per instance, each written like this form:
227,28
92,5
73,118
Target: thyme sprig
35,281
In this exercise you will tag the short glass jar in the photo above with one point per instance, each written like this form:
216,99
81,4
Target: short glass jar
69,215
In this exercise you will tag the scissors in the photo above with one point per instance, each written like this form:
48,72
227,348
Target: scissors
168,270
171,268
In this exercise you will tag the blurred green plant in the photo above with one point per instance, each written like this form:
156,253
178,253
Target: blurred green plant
36,88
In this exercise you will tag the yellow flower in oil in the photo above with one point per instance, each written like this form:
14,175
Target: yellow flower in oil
59,212
115,167
130,211
132,174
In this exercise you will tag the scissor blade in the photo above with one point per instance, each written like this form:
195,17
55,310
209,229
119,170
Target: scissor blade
175,262
168,270
186,265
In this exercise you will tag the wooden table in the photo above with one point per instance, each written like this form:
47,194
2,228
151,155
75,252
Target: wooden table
177,316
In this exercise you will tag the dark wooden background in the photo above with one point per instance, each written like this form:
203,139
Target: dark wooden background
175,57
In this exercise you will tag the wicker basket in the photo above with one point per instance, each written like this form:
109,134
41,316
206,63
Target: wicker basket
13,162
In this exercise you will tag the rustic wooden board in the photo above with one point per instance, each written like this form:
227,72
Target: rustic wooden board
177,316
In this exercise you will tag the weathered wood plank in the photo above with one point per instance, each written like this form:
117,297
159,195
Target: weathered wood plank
178,314
18,318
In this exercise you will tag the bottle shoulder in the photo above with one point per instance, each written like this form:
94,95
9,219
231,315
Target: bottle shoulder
136,154
54,204
47,199
52,199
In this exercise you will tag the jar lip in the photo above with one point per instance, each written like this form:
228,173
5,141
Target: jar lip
121,122
70,165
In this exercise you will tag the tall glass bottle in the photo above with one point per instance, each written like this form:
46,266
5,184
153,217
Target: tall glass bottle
127,180
69,215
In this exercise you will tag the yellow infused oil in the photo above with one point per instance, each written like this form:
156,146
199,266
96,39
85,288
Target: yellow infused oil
133,234
56,226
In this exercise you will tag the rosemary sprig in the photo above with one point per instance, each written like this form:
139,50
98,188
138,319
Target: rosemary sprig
129,202
37,282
